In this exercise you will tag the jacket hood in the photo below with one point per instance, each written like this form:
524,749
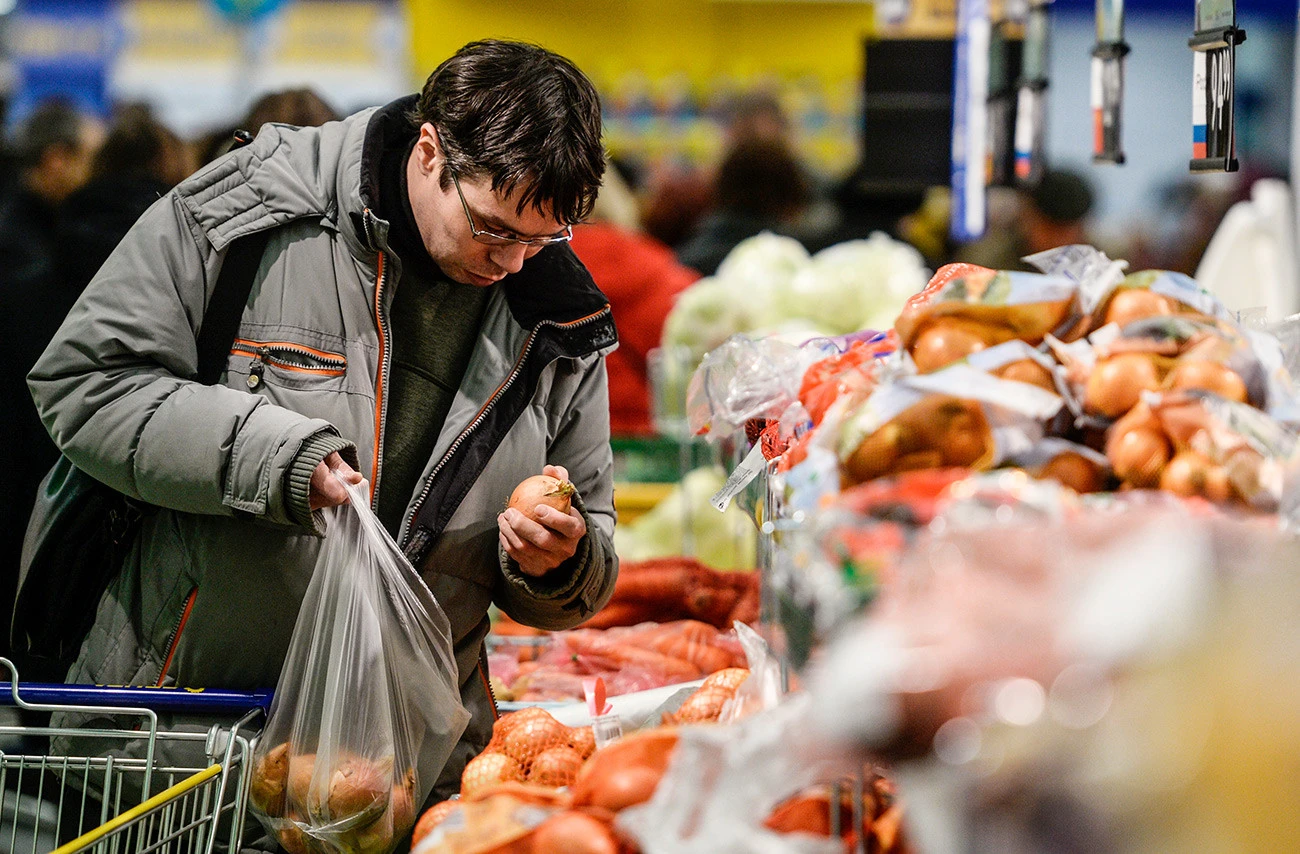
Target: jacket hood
284,174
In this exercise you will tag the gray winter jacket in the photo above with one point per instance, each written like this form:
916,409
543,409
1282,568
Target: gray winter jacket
210,591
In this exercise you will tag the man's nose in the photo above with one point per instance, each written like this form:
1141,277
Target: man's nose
510,258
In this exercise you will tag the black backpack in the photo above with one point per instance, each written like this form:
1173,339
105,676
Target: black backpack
80,530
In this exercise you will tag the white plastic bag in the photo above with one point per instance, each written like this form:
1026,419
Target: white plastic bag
367,708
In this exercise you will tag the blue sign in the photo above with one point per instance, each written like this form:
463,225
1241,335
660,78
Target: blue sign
246,11
63,49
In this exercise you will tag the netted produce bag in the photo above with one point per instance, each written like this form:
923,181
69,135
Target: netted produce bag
367,710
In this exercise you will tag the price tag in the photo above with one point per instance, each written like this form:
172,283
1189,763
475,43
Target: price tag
740,478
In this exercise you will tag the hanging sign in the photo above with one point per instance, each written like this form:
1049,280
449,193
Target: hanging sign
1214,45
1031,99
970,120
1108,82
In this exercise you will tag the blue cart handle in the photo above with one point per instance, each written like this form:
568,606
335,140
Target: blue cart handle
166,699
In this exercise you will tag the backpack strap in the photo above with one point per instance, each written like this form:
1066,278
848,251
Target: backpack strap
230,296
226,307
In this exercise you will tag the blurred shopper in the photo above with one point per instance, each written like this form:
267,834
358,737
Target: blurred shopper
1052,213
759,186
298,107
641,277
416,319
140,161
52,150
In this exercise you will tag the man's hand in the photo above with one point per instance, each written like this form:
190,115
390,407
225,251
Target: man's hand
540,548
326,491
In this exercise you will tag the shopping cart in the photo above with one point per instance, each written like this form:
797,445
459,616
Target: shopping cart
131,786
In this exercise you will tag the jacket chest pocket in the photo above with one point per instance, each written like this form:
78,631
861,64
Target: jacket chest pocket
286,363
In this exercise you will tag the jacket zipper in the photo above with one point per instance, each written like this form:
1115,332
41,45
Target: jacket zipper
479,418
246,346
380,415
174,639
492,695
331,364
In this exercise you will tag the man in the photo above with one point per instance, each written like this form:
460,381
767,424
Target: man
53,148
417,320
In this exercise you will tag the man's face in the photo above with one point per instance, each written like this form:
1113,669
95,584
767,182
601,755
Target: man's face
446,231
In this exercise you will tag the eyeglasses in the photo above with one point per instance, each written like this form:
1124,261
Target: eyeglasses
491,238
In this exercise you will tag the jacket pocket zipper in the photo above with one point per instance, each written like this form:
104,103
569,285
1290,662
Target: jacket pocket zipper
492,695
287,356
174,639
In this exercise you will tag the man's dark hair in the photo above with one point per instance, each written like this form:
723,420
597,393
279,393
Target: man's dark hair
761,177
51,124
524,117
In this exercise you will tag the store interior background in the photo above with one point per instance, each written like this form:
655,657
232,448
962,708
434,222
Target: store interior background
663,66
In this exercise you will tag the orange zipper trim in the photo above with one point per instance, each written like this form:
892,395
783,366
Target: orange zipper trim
176,637
291,345
379,380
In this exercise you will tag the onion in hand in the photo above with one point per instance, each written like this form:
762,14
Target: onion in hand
538,490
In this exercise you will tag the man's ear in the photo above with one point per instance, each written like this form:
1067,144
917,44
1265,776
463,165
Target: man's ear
427,150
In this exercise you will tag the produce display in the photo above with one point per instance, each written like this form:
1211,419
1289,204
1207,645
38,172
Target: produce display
770,283
684,523
993,504
1101,380
678,588
635,658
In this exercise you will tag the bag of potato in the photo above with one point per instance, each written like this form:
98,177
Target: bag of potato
957,417
966,309
367,709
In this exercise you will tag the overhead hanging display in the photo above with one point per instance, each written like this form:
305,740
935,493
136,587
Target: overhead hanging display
1108,82
1031,102
1214,145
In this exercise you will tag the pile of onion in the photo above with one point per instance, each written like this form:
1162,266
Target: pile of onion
529,746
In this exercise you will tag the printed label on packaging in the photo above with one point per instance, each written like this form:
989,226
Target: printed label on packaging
740,478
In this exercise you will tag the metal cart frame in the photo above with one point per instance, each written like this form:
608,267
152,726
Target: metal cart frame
99,801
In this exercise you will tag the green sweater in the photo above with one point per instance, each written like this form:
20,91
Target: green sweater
435,323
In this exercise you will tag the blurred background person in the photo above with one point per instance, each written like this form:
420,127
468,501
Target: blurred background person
140,160
641,277
1052,213
760,186
52,150
301,107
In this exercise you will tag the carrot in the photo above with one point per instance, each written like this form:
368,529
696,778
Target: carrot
707,658
624,614
626,655
746,609
712,604
652,583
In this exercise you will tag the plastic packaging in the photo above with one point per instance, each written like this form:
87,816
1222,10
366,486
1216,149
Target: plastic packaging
746,379
956,417
631,659
367,708
966,308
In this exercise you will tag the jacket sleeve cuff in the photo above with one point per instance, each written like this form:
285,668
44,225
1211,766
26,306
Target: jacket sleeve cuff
297,491
578,585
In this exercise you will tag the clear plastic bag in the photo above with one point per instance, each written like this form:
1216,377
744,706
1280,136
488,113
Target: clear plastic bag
367,708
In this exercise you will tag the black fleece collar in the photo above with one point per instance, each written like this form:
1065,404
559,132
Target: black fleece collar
552,286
